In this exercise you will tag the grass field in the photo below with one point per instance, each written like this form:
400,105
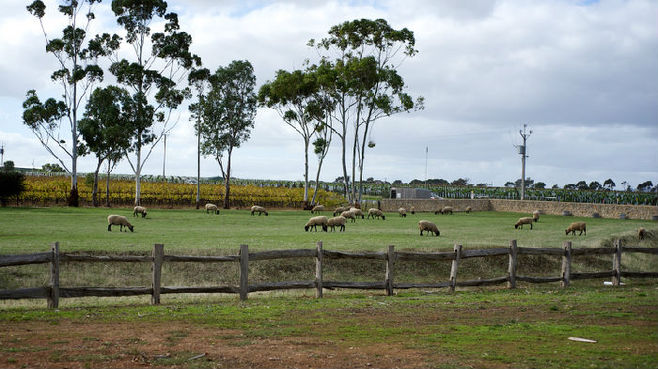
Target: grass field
490,327
25,230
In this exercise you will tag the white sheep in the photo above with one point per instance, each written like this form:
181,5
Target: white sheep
341,209
258,209
576,226
315,222
317,209
402,212
347,214
522,221
338,221
426,225
119,220
139,210
357,212
212,208
376,213
535,215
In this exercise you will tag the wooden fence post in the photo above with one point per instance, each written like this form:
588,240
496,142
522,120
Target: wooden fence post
511,268
244,272
566,264
390,263
53,297
616,264
156,269
318,270
454,267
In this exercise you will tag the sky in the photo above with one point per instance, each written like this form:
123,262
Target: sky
582,75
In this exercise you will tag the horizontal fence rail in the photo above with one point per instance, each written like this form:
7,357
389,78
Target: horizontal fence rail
53,291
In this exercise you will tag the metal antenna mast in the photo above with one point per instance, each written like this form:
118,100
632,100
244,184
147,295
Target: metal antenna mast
522,152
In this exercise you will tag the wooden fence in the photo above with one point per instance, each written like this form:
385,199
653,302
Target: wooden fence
53,292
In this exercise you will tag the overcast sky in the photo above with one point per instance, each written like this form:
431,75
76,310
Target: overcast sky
583,75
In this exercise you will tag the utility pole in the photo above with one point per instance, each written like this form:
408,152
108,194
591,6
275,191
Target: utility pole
522,152
2,154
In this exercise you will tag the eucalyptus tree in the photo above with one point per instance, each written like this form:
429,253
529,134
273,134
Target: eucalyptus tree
198,79
228,112
105,129
76,74
366,54
293,95
161,62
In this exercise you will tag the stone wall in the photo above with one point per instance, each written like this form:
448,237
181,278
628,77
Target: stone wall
428,205
645,212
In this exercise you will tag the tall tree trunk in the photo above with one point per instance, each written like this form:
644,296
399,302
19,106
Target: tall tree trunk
317,181
107,184
198,164
227,185
138,172
306,142
94,190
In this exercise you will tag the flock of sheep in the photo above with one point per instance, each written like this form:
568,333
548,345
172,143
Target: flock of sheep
342,213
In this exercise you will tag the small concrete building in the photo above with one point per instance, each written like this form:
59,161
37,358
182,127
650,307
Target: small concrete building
411,193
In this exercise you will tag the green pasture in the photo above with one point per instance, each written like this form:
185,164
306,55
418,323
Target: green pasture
25,230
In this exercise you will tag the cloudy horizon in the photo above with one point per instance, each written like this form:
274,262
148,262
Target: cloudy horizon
583,75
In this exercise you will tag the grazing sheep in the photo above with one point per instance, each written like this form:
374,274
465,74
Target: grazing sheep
348,214
576,226
338,221
315,222
402,212
357,213
211,208
317,209
522,221
426,225
119,220
341,209
641,233
444,210
258,209
468,210
412,210
139,210
376,213
535,215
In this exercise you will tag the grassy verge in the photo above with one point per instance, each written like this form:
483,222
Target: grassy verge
480,328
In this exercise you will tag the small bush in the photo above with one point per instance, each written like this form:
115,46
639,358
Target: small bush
12,183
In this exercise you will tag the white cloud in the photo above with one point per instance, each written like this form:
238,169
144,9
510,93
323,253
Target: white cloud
582,75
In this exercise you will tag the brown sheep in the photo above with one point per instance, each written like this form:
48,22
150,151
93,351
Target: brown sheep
641,233
426,225
535,215
468,210
576,226
522,221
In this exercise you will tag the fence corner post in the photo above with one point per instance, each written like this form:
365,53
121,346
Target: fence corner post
390,265
244,272
511,268
455,266
616,264
566,265
318,270
156,269
53,296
